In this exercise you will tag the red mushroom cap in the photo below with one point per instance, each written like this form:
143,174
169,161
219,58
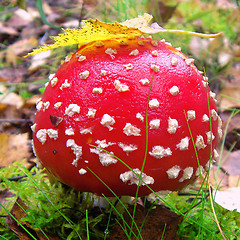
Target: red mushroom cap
99,97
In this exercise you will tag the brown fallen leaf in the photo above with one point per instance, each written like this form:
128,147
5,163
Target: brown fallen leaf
13,147
229,97
159,223
22,228
4,194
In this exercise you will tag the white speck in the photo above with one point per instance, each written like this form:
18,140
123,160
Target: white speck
46,84
215,155
103,143
187,174
134,52
39,106
173,172
179,49
189,61
42,135
205,118
72,109
163,40
213,95
52,133
140,117
51,76
199,171
81,58
69,132
66,84
205,84
105,158
205,79
33,127
219,122
84,75
154,124
154,53
160,152
103,72
54,81
46,105
144,81
57,105
86,131
82,171
127,148
174,61
141,43
214,114
120,87
162,194
191,115
128,66
68,58
172,125
153,103
91,112
110,52
130,177
210,137
130,130
77,150
86,161
97,90
155,68
155,43
168,43
200,142
220,132
174,90
184,143
208,165
107,121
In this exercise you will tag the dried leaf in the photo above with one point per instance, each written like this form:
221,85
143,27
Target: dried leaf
159,223
229,97
95,30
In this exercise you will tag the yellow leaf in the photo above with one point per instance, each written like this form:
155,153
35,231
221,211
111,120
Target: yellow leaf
95,30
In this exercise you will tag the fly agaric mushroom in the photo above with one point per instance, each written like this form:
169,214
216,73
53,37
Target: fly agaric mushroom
96,106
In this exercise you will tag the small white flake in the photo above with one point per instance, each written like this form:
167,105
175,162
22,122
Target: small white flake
140,117
131,178
77,150
128,66
144,81
42,135
208,165
39,105
46,84
199,171
134,52
82,171
210,137
107,121
191,115
184,143
127,148
97,90
214,114
69,132
105,159
174,90
205,79
179,49
130,130
57,105
46,105
160,152
213,95
52,133
172,125
54,81
51,76
163,40
66,84
154,124
103,72
72,109
187,174
141,43
168,43
153,103
120,87
84,75
189,61
174,61
91,112
33,127
173,172
154,53
103,143
111,52
68,58
155,68
154,43
86,131
219,122
220,132
205,118
200,142
215,155
81,58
